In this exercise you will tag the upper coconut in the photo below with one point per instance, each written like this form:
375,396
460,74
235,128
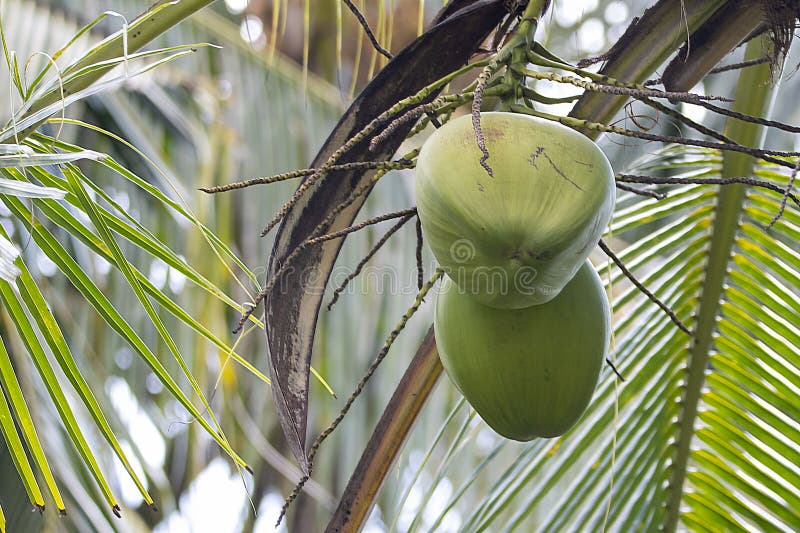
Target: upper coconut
515,238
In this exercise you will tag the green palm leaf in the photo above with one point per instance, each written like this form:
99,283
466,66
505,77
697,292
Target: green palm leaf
14,306
14,444
94,218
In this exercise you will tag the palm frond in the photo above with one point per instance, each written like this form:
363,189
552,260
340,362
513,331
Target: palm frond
91,216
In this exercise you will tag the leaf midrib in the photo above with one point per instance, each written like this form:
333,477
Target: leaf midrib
753,97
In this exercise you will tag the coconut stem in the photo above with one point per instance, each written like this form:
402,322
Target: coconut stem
358,165
766,155
361,225
752,182
521,39
644,290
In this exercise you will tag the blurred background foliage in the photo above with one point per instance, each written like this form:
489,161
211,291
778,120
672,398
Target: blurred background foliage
260,105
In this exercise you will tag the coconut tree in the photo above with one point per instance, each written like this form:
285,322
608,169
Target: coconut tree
700,267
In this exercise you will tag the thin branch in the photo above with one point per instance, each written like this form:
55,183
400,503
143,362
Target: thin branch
297,251
618,90
408,116
610,85
748,118
365,260
365,133
361,225
453,101
737,66
359,388
531,94
614,368
786,193
753,182
641,192
652,297
359,165
362,20
718,70
572,122
683,119
420,267
322,226
613,86
445,112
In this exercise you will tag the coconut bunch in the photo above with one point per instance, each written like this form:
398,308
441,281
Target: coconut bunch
522,321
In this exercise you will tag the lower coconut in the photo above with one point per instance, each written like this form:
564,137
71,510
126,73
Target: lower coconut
527,372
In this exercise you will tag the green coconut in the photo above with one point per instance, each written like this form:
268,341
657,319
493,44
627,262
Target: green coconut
527,372
515,238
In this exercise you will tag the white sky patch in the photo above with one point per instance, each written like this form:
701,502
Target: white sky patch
146,436
415,459
124,357
268,513
486,440
616,13
570,12
556,90
176,280
451,521
566,16
374,522
45,266
214,502
252,31
236,6
153,384
102,266
695,112
409,510
436,504
127,488
158,273
613,33
122,198
592,35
